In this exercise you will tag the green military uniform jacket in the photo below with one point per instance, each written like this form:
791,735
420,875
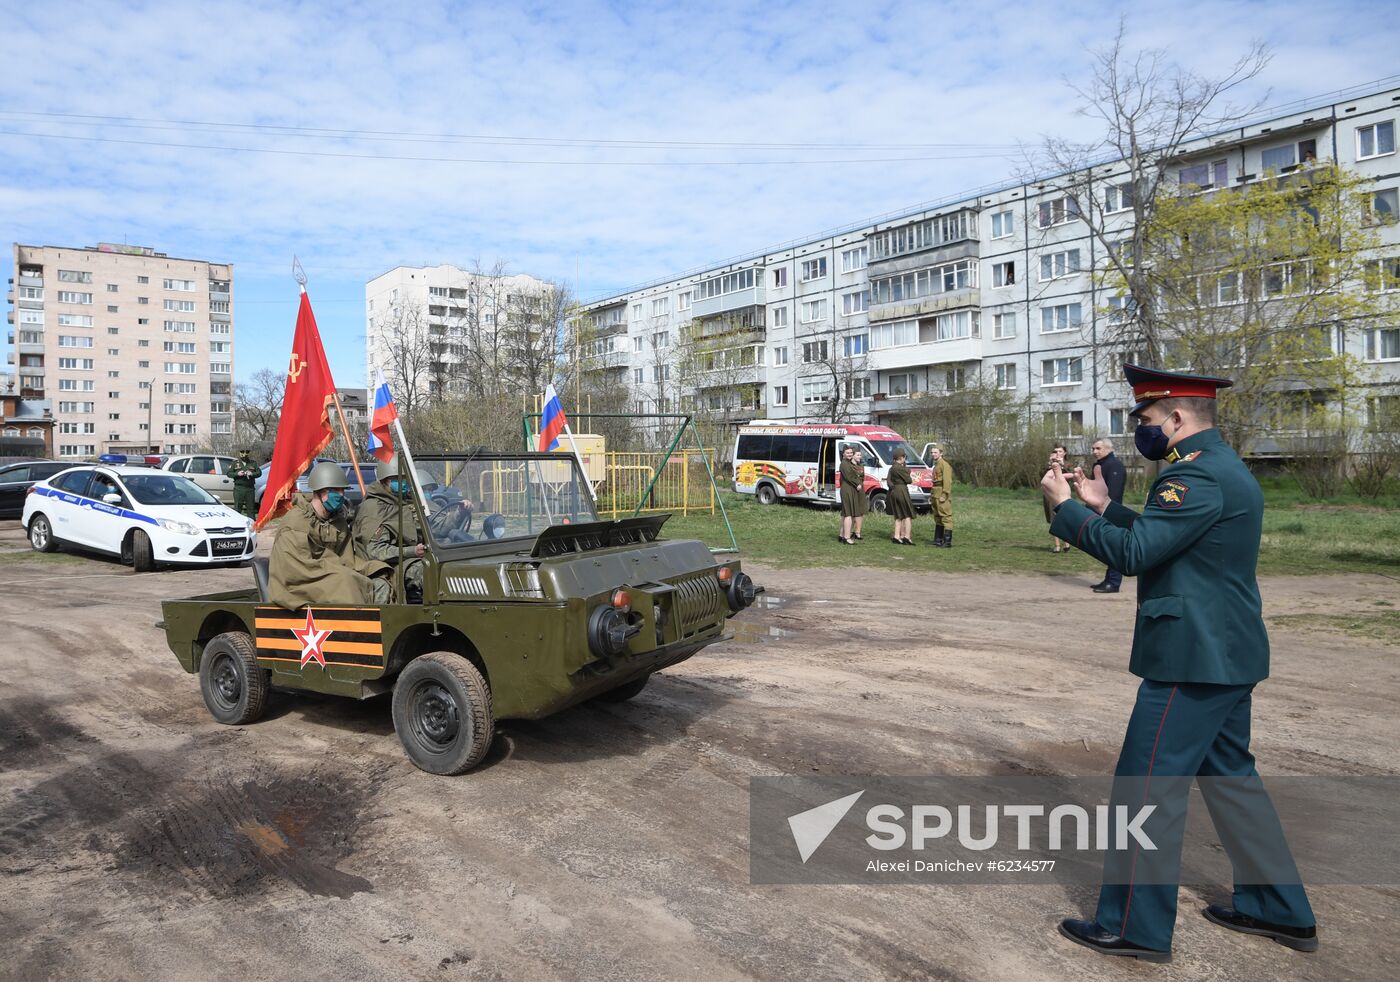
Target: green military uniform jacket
1194,550
314,561
377,525
245,474
942,479
854,502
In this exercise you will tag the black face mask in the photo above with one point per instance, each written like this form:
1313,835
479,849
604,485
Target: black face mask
1152,441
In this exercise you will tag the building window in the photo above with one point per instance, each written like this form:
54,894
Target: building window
855,344
1383,207
1003,224
856,302
1118,197
814,351
780,276
1057,211
720,285
893,335
1004,274
1061,371
143,279
683,301
638,375
71,341
179,368
813,269
1382,343
955,379
660,373
1068,422
37,317
69,296
31,293
1061,317
77,364
901,384
858,388
780,356
1004,324
1215,174
1382,275
951,327
780,316
1116,421
1375,140
1006,375
780,395
1278,159
1057,265
185,286
660,306
813,311
661,339
853,259
143,364
184,306
816,390
927,234
73,276
112,308
639,345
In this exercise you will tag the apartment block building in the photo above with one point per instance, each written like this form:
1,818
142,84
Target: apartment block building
998,283
423,322
132,348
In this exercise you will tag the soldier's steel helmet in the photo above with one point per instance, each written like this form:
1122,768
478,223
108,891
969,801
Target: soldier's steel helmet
387,469
326,474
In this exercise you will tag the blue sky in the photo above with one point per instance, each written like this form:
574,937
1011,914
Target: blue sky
895,80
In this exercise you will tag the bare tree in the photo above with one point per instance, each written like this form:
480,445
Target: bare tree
258,408
845,373
1149,108
536,329
412,354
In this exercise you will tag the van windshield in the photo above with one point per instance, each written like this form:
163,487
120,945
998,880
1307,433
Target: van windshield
886,449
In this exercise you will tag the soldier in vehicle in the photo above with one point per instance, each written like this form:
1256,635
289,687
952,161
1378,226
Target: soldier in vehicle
377,524
314,559
245,475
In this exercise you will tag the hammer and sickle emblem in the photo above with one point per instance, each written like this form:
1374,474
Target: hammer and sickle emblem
296,367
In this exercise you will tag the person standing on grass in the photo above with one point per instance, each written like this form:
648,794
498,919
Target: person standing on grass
901,506
1057,459
854,503
1110,470
942,495
1200,647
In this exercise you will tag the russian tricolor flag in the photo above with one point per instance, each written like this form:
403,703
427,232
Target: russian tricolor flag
381,443
553,422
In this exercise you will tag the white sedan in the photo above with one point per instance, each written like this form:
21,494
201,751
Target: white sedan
145,516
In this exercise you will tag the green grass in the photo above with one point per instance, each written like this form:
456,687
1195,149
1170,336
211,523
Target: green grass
1378,625
997,530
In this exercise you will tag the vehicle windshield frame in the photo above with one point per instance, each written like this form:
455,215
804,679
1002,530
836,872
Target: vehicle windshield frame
125,480
580,501
881,447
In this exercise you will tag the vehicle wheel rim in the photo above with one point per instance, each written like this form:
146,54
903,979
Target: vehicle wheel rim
434,716
39,534
226,686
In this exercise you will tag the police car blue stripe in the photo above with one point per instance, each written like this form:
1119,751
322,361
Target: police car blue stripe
101,506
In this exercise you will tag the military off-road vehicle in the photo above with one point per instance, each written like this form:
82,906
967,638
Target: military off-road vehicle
529,604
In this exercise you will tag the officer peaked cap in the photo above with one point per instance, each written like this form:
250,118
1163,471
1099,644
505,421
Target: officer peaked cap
1151,384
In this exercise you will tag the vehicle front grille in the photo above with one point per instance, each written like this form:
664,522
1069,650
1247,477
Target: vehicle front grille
699,603
468,586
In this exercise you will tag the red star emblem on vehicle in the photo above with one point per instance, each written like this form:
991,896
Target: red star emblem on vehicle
311,639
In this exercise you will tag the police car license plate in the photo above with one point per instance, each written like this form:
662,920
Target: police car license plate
226,547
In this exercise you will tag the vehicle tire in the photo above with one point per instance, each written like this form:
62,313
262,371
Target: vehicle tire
626,691
143,557
41,534
234,687
765,494
879,502
442,713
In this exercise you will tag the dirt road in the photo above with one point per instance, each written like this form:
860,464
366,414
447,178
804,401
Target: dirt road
139,839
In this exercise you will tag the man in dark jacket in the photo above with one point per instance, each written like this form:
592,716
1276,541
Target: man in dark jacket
1110,470
1200,647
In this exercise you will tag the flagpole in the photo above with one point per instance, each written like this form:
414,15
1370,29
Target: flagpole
403,440
349,443
586,482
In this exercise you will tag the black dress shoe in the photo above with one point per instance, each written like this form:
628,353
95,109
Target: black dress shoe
1105,588
1099,584
1297,938
1090,935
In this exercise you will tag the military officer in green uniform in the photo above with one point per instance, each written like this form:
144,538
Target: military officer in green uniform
245,475
1199,647
378,522
942,494
314,560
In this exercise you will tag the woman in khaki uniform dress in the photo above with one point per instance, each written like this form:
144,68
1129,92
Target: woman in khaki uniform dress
900,505
854,503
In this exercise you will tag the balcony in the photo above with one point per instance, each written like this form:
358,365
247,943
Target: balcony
926,353
729,302
937,303
31,280
605,360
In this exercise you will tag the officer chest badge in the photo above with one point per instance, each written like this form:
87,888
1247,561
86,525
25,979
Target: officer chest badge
1172,494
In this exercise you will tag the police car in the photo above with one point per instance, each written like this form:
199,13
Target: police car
145,516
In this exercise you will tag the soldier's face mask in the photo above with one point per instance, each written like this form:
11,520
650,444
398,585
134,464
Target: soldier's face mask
1153,442
334,501
399,486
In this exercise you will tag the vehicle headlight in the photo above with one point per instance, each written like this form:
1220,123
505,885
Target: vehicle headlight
179,528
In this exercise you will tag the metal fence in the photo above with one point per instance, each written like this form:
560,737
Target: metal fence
678,482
